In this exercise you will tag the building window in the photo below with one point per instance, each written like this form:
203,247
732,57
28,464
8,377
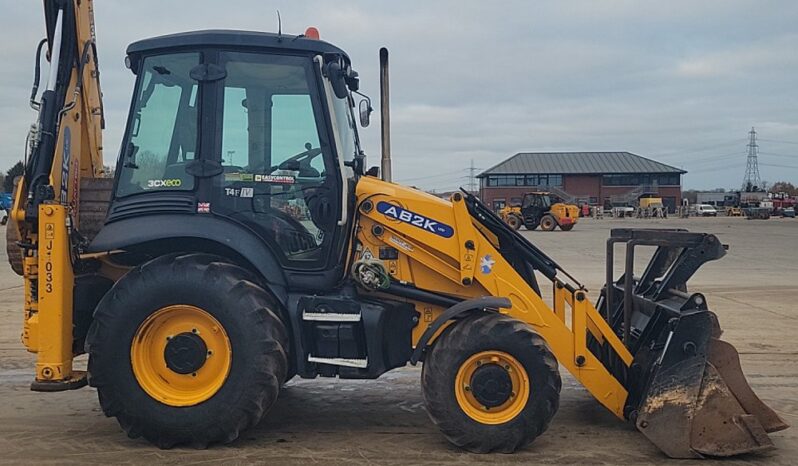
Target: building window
524,180
642,179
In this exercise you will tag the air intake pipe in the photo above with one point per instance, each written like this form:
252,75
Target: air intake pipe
385,116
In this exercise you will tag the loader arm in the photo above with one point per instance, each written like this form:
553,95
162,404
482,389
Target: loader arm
620,349
473,266
64,146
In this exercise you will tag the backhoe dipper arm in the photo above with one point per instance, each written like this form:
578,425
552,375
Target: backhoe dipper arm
65,145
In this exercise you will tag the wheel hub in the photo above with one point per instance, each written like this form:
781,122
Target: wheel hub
185,353
491,385
181,355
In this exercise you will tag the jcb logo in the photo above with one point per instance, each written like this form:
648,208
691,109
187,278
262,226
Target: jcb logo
173,183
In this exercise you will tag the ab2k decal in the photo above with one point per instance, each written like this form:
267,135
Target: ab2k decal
397,213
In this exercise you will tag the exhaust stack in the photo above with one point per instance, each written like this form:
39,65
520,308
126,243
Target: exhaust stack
385,116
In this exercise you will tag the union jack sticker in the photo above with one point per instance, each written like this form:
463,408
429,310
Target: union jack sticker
203,207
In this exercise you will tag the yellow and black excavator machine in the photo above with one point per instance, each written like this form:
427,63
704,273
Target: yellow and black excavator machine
541,209
242,242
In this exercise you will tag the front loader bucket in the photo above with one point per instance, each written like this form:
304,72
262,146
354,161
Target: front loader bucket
687,391
698,402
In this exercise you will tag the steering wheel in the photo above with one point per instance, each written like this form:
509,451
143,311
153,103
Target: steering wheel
299,162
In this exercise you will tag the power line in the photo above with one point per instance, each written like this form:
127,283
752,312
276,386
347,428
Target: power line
698,149
773,154
731,155
776,165
439,175
779,141
724,167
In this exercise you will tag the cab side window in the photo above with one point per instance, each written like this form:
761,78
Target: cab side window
162,136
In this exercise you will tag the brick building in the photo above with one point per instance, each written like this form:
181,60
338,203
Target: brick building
595,178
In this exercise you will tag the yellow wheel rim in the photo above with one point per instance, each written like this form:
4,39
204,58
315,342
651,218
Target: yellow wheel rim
476,409
185,384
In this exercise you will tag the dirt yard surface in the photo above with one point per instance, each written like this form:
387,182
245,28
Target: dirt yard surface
753,290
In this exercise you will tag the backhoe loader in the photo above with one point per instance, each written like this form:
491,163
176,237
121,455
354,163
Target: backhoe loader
242,242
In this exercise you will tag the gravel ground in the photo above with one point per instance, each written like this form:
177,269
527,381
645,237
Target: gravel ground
333,421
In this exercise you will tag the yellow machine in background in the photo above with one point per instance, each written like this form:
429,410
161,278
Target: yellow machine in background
540,209
246,243
651,206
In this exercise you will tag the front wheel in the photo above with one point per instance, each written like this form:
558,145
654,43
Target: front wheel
187,349
568,227
490,383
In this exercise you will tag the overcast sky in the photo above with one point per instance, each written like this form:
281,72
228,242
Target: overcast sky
678,81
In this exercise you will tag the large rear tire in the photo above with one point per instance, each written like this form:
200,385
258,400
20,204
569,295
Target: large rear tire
13,251
548,223
490,383
568,227
187,349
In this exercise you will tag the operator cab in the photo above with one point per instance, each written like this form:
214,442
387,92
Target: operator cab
252,128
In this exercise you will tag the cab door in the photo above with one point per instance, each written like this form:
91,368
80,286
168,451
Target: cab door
279,173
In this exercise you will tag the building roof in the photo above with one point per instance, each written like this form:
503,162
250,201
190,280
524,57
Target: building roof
574,163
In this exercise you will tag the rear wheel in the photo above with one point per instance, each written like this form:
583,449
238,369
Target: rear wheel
491,383
568,227
187,349
13,251
514,221
548,223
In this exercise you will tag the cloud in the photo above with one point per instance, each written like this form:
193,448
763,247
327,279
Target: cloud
482,80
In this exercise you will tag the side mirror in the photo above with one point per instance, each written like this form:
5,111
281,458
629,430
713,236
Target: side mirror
365,112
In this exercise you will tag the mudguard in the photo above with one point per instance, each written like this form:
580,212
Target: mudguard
128,232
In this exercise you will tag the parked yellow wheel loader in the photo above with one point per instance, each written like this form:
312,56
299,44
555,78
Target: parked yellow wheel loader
540,209
242,242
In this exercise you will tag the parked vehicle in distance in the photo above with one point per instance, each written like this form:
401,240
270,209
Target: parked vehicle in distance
5,205
706,210
734,212
623,211
6,200
788,212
